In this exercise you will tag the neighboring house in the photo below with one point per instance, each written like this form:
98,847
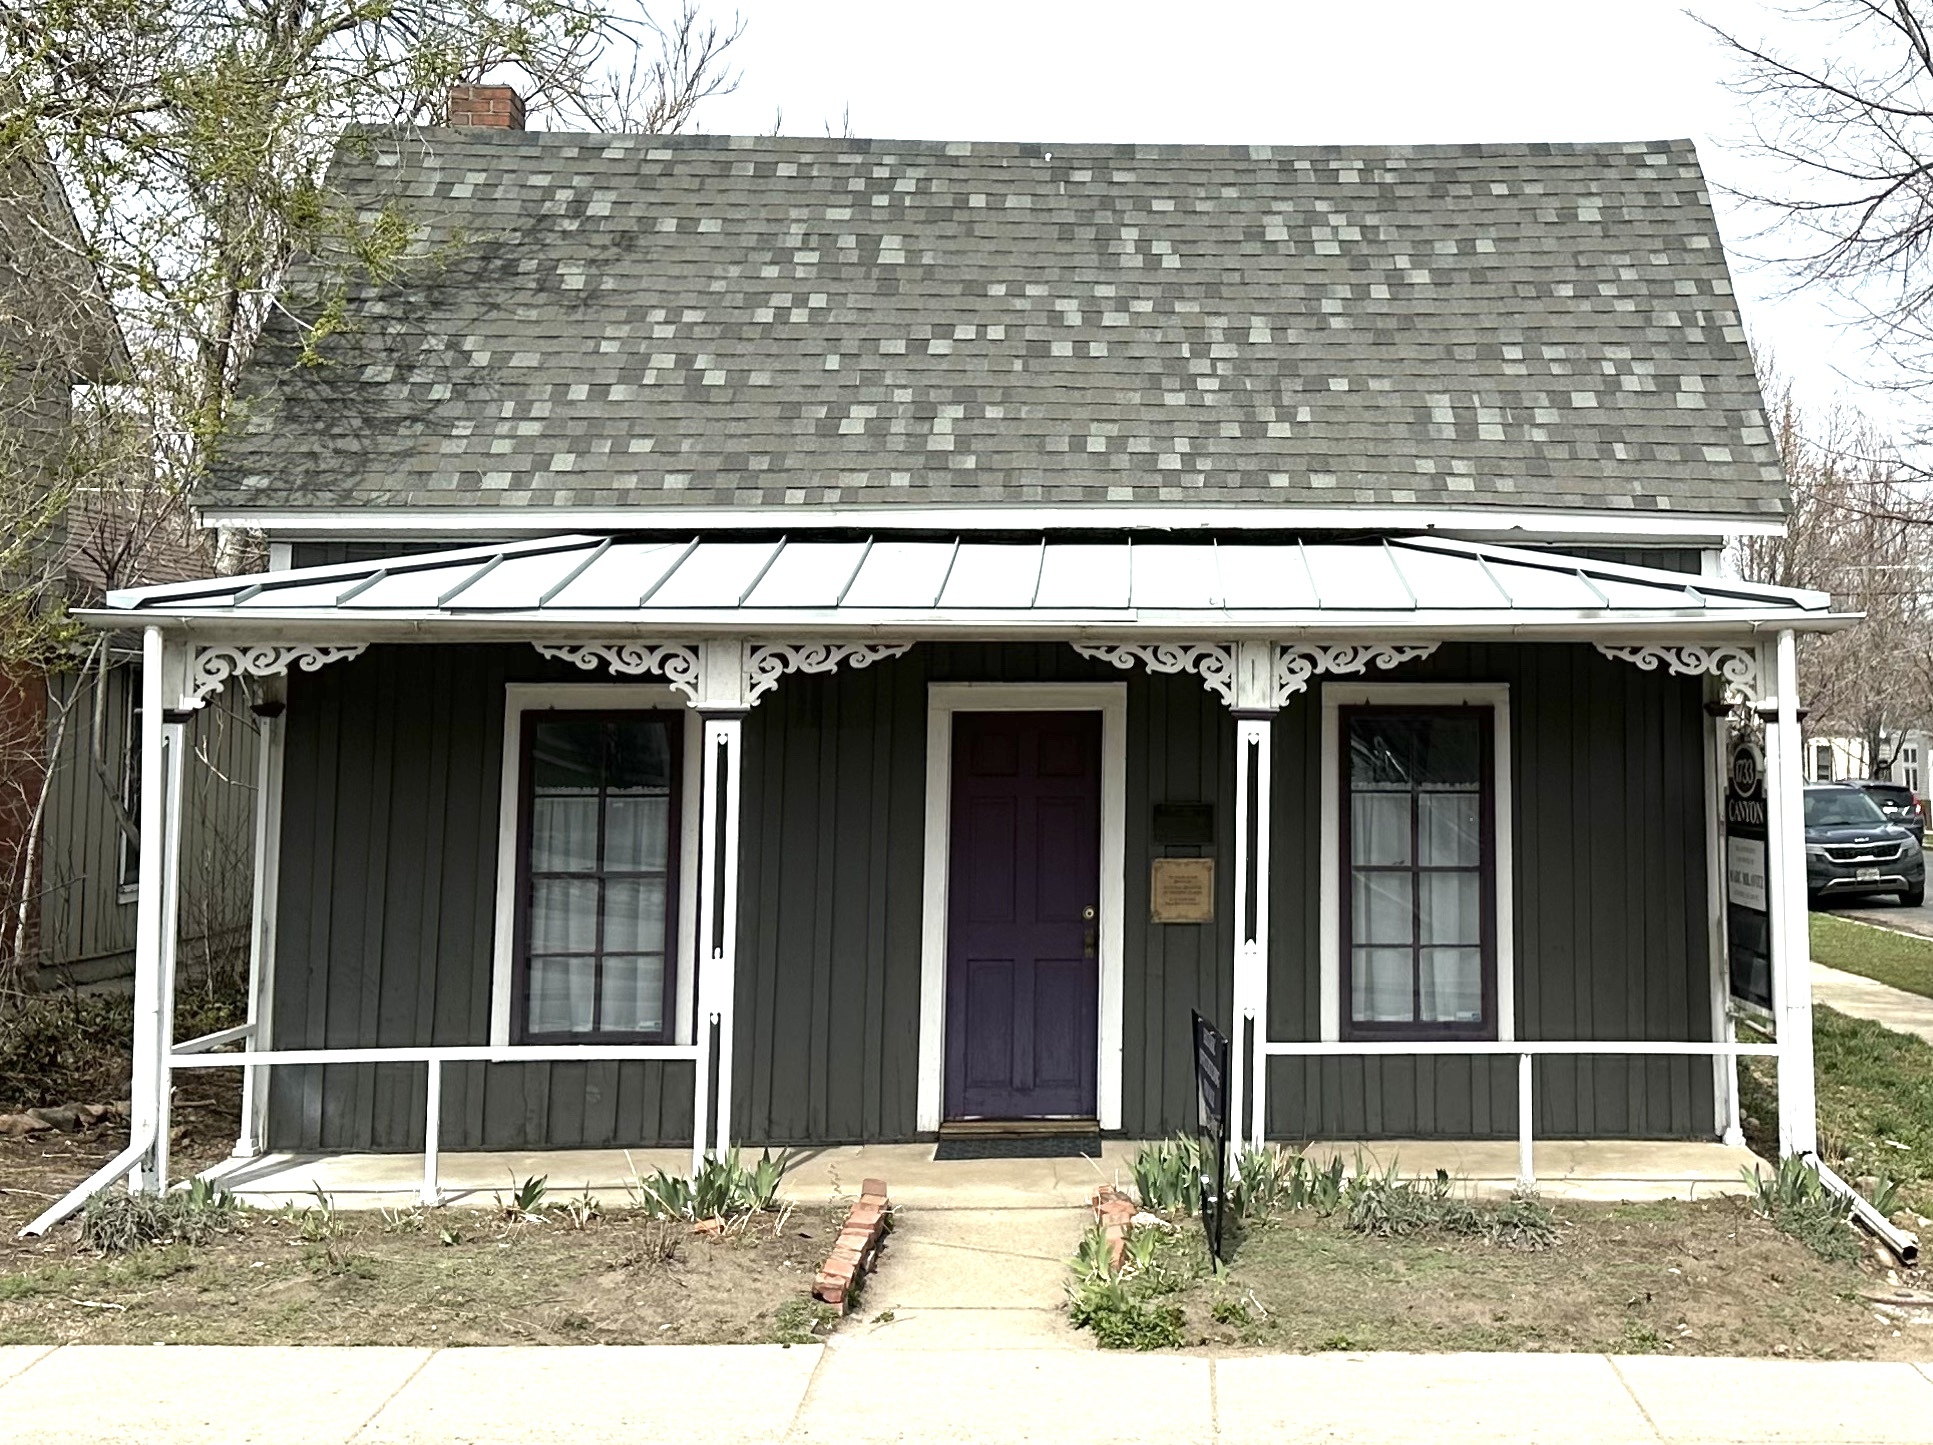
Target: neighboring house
1830,758
66,738
791,641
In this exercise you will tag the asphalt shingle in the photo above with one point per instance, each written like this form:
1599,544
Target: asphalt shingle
601,321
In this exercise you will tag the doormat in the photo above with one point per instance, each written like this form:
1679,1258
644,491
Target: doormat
1018,1146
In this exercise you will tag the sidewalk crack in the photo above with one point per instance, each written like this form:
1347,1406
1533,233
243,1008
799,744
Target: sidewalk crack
390,1398
1655,1428
805,1395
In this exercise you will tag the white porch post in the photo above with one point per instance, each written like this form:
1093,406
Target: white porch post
1725,1124
1255,700
163,744
721,697
261,942
1790,923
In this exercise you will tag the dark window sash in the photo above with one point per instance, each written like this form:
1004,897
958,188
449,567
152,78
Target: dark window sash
673,723
1486,871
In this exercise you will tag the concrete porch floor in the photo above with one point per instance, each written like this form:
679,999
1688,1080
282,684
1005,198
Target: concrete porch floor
1566,1169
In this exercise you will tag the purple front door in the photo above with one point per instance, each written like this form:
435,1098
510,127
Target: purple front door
1023,972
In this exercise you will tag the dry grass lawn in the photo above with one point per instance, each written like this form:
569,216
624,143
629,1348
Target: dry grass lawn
314,1278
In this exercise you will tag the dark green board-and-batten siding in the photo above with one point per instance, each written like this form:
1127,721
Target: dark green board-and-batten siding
1607,794
388,883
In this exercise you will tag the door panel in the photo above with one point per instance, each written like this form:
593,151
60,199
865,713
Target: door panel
1023,972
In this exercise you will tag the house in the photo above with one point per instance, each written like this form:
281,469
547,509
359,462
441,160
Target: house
68,759
786,640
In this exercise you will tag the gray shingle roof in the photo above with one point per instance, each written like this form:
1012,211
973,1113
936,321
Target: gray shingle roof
751,323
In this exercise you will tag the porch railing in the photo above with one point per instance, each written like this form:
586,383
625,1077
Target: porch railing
1524,1049
199,1054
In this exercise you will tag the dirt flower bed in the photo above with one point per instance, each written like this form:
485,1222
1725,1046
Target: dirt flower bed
439,1277
1706,1278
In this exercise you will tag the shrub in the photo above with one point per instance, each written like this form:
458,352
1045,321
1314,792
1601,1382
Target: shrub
723,1189
60,1047
1798,1202
1272,1181
1167,1175
1390,1207
122,1223
1123,1308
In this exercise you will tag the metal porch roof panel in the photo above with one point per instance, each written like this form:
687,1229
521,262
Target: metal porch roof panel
834,582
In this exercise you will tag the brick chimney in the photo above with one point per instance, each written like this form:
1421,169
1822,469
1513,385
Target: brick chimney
495,106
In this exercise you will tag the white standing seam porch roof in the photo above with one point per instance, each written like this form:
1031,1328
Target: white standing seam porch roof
896,587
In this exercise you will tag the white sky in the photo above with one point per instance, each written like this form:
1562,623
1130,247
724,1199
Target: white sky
1293,72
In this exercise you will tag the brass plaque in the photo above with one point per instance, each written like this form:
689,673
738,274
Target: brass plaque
1182,890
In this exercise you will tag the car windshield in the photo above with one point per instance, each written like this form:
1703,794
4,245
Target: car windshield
1840,808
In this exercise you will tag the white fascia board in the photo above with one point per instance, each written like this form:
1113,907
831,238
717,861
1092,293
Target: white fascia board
1477,520
262,625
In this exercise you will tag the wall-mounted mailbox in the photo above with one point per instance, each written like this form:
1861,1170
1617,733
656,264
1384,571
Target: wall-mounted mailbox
1183,823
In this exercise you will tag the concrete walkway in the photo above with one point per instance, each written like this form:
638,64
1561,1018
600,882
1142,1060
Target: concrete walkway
972,1279
1865,998
738,1395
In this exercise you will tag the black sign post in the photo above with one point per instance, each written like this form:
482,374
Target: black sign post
1211,1121
1748,922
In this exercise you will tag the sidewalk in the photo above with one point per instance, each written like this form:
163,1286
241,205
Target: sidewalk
737,1395
1865,998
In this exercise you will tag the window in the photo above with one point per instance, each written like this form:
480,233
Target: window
1909,766
127,845
1822,762
1417,854
597,886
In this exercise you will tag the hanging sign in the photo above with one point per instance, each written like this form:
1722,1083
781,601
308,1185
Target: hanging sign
1748,923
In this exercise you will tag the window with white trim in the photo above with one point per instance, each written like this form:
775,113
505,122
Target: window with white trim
1418,855
597,887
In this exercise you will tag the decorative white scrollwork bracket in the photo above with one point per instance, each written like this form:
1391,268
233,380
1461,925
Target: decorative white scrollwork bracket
1213,663
1296,662
1736,667
675,662
766,663
683,664
209,668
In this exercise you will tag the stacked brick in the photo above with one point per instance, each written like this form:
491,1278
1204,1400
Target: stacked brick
1114,1212
856,1249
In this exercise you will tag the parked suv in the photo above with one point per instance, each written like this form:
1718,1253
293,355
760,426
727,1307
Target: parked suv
1852,850
1896,801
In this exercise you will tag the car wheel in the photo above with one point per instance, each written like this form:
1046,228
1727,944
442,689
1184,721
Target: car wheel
1915,896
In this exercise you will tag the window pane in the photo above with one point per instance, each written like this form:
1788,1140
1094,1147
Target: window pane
1446,825
1379,828
566,755
634,915
633,994
1452,985
1448,753
563,915
639,755
1448,908
636,834
560,995
1381,983
563,834
1381,910
1381,751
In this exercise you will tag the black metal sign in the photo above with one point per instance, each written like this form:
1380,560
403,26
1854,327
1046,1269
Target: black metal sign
1748,922
1211,1122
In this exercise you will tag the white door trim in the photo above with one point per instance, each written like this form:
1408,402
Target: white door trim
1336,695
943,699
522,697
